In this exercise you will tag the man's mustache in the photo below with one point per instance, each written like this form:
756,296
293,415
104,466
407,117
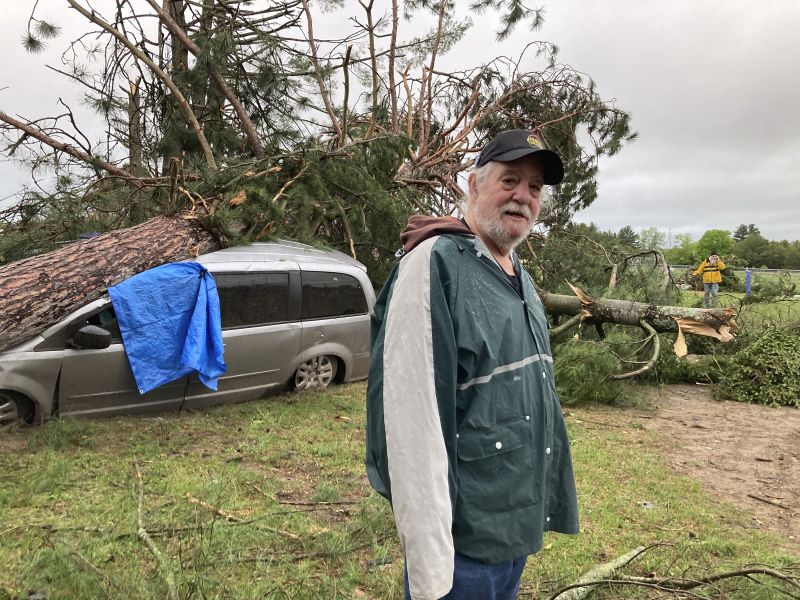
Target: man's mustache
513,207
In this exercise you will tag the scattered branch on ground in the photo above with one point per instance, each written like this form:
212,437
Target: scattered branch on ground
163,566
606,575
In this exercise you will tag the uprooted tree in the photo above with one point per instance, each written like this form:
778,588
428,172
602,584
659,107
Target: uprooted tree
229,121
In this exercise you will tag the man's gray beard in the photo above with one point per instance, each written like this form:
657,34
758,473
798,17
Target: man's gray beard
499,235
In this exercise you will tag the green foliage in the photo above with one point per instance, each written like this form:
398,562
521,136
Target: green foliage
669,368
329,175
584,256
44,222
684,252
705,367
641,279
742,231
765,371
583,373
332,200
571,254
652,239
628,237
768,289
716,241
756,251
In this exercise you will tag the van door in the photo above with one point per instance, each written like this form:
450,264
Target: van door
261,331
336,320
100,382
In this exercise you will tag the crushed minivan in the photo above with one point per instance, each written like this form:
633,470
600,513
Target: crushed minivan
293,316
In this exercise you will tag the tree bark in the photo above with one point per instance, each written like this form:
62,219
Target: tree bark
628,312
37,292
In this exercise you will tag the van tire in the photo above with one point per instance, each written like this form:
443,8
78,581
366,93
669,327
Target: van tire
315,373
14,409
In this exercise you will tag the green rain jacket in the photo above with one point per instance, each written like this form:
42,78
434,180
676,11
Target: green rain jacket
465,434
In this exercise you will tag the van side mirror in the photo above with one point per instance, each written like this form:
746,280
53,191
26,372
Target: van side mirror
92,336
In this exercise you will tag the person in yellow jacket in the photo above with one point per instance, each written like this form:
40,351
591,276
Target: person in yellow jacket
709,270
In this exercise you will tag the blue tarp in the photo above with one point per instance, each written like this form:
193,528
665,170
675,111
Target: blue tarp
170,323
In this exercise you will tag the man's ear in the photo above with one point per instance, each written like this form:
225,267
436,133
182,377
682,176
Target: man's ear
472,184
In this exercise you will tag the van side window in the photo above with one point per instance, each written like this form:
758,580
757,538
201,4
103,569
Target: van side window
331,295
104,317
248,299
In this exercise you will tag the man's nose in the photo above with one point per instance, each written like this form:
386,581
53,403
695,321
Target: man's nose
523,195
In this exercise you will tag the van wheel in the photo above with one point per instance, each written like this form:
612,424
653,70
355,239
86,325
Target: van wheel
315,373
14,409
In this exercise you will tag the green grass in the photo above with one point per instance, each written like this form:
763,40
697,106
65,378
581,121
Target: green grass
294,514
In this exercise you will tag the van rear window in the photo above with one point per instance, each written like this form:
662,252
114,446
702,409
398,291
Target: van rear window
331,295
249,299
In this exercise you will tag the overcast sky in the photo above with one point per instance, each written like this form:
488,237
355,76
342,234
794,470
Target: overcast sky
713,87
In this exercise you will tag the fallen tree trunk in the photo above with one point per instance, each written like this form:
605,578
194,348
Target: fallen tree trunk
37,292
713,322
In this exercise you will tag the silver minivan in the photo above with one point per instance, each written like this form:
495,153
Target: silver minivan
293,316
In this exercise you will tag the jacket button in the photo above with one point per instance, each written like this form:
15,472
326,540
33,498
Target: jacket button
498,445
478,254
527,417
547,450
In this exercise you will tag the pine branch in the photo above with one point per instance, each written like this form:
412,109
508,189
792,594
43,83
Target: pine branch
244,118
179,97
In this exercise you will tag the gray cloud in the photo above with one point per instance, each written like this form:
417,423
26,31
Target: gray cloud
712,88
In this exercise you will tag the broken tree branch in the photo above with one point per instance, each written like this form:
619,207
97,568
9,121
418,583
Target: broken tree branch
712,322
653,359
231,518
166,572
34,132
323,91
760,499
577,590
566,325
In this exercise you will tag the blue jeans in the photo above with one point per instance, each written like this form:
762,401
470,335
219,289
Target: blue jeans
474,580
711,290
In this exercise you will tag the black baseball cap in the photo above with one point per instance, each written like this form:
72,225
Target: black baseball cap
516,143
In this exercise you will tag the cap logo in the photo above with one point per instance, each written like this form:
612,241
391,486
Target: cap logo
534,141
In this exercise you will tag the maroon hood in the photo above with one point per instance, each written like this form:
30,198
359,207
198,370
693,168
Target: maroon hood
421,227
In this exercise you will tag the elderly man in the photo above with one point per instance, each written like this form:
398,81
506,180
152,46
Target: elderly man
465,435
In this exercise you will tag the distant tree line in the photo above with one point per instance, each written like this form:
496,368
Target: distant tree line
745,247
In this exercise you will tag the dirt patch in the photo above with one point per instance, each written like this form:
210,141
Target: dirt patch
746,454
